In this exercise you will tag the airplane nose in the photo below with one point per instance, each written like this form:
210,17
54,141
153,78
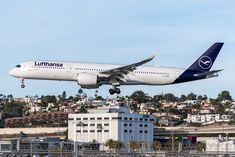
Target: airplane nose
11,72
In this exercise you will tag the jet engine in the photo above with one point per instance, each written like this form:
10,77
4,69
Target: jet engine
88,80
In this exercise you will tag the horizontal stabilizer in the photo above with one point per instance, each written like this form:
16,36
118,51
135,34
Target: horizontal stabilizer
208,74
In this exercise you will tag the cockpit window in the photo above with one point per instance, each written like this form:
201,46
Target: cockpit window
18,66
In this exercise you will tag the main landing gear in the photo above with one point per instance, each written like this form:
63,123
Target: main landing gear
114,90
22,83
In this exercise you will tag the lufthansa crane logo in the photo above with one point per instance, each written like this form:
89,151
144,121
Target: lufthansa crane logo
205,62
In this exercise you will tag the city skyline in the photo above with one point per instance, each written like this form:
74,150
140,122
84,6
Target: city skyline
121,32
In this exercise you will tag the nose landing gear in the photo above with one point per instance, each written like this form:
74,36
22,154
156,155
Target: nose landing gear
22,83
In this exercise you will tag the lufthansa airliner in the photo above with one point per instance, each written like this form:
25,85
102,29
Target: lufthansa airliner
90,75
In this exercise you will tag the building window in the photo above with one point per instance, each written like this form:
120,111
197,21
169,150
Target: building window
106,130
92,118
99,118
141,118
130,124
85,131
92,130
85,125
130,118
146,119
145,131
106,124
117,118
85,118
125,124
141,131
125,130
92,124
99,125
106,118
141,125
78,130
70,119
146,125
125,118
99,130
78,118
152,120
130,131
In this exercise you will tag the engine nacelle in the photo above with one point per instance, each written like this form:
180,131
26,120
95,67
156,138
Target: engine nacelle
88,80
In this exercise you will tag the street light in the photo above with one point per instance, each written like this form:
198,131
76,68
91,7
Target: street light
75,144
74,141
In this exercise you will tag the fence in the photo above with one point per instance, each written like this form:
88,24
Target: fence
31,148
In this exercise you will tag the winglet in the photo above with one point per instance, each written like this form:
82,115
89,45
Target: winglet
152,56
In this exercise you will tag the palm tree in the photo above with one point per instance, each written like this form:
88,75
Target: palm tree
109,143
81,124
99,129
134,145
113,144
156,145
80,91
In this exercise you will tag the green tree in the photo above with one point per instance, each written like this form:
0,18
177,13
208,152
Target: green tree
83,109
157,98
138,97
99,98
174,110
215,102
224,95
114,145
191,96
66,135
169,97
200,97
156,101
64,95
80,91
156,145
220,109
205,97
109,143
13,110
50,99
183,98
43,103
134,145
200,146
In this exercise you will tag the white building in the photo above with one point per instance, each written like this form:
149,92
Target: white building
220,145
122,126
209,118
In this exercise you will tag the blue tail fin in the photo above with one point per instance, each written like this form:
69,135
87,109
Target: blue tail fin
201,66
206,60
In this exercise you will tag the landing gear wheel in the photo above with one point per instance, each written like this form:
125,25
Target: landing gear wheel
111,91
118,91
22,86
115,90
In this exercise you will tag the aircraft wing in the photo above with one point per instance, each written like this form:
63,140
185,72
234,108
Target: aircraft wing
120,72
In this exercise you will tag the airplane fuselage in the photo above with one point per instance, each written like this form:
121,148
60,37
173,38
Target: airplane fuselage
69,71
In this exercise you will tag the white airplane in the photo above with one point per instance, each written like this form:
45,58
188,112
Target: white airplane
90,75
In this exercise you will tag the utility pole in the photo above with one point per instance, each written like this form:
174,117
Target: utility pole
226,143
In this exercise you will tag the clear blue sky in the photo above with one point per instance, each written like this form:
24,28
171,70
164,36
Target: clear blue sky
121,31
